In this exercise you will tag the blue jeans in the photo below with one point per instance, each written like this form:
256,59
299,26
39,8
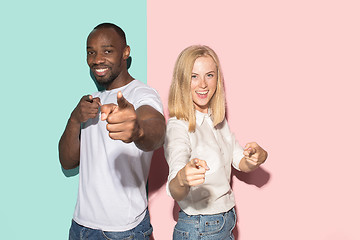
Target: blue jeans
141,231
209,227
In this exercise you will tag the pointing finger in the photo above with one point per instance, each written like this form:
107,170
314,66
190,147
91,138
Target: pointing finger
250,151
203,164
97,100
88,98
197,163
106,110
193,162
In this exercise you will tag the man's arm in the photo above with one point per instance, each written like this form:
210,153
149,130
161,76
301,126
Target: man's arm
153,128
145,126
69,144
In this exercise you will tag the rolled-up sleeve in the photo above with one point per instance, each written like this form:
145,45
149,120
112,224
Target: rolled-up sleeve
177,147
238,153
237,150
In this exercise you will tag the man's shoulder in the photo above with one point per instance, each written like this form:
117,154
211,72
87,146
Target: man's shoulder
138,84
142,90
139,93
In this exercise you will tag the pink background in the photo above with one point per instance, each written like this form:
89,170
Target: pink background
292,83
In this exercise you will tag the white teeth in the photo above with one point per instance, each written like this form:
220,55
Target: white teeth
101,70
202,93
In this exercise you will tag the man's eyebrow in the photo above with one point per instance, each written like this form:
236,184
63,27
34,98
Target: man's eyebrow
105,46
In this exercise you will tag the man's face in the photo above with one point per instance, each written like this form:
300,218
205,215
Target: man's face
105,55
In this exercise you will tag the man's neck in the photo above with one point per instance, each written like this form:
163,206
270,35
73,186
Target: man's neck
120,81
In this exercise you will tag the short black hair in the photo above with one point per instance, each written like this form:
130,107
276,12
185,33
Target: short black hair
113,26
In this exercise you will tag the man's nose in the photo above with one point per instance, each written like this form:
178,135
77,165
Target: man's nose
99,58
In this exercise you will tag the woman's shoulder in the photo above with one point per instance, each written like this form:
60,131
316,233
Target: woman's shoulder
174,122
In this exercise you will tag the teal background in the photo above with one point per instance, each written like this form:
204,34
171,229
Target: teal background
43,76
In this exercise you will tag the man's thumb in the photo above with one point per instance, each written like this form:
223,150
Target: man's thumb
122,102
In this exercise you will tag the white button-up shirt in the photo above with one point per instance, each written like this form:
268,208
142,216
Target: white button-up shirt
218,147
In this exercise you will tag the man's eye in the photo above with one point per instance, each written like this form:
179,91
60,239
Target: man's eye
108,51
90,52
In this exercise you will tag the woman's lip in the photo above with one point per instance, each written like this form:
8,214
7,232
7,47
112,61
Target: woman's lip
202,94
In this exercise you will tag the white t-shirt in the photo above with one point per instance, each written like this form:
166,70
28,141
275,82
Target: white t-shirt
113,174
218,147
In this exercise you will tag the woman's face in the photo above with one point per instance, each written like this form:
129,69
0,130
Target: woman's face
203,82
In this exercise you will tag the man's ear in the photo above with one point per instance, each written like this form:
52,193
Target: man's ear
126,52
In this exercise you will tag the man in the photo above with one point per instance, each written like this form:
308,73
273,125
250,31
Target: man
114,148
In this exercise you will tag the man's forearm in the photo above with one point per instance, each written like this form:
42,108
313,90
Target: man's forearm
69,145
153,134
152,127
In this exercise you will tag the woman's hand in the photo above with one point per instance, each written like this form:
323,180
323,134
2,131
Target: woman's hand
193,174
254,156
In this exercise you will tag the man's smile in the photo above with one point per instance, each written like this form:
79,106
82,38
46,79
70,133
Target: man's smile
100,71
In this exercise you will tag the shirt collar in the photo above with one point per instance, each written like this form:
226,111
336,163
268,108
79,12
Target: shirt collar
200,117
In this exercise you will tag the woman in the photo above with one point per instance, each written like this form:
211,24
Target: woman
200,148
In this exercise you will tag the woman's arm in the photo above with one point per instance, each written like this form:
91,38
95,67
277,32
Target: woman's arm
183,172
254,156
193,174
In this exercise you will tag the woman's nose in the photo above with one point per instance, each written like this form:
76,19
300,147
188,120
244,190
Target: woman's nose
203,83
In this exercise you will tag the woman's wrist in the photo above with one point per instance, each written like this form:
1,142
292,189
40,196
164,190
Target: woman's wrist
180,179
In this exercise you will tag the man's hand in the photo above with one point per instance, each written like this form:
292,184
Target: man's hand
193,173
122,120
254,154
88,107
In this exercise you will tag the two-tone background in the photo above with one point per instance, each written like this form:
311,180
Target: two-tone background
292,83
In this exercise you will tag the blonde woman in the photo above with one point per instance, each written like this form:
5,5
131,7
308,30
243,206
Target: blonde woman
200,148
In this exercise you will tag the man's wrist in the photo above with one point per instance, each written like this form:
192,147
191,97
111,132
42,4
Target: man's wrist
73,119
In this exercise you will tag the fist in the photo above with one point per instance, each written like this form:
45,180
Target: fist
121,120
254,154
88,107
193,174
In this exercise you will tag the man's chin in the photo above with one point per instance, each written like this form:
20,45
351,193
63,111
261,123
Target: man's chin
102,81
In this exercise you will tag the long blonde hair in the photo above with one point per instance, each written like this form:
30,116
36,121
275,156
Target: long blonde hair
180,100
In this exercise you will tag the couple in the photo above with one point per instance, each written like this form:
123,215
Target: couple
112,133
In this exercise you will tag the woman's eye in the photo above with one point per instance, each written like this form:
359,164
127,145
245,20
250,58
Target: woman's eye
210,75
193,76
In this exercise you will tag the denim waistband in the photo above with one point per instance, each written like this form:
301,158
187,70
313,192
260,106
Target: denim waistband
197,218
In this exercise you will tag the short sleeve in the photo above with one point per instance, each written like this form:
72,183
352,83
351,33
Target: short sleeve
145,95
